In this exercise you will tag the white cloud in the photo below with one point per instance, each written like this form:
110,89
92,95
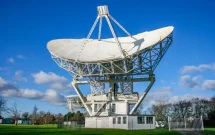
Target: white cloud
7,89
58,86
19,77
174,99
196,82
20,57
51,96
23,93
54,81
209,85
199,68
2,82
9,92
190,82
159,95
4,85
30,93
166,95
11,60
42,77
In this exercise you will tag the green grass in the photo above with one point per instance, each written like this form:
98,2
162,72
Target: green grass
53,130
209,131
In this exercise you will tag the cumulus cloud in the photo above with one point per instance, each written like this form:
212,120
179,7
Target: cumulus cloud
174,99
10,90
196,82
19,77
54,81
51,96
165,95
4,85
159,95
199,68
2,82
42,77
190,82
30,93
58,86
209,85
11,60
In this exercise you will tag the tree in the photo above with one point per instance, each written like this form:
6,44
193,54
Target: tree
34,115
25,115
161,108
78,116
59,118
201,107
14,113
40,118
182,108
3,107
211,114
162,111
69,116
49,118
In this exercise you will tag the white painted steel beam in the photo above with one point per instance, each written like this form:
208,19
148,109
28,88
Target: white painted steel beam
143,96
81,97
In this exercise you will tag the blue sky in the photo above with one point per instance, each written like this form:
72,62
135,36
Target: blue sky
187,70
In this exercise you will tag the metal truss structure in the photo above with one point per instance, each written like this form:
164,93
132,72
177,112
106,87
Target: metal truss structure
97,88
138,67
143,63
74,102
126,87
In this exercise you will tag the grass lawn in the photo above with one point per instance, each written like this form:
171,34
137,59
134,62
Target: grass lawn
53,130
209,131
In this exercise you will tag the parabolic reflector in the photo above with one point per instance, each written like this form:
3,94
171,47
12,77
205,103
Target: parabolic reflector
106,49
119,62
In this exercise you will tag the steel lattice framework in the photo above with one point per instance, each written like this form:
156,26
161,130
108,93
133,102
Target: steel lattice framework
138,67
143,63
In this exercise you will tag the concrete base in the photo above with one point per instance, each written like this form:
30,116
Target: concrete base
121,122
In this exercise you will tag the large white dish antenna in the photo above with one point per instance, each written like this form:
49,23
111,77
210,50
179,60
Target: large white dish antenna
106,49
133,54
118,61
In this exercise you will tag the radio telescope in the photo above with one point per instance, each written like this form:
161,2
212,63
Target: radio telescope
110,67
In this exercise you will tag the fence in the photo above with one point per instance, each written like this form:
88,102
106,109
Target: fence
186,123
71,125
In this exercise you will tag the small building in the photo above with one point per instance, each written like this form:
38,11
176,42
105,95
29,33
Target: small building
122,122
7,121
19,122
26,122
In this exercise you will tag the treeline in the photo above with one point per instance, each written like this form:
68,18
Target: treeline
78,116
36,117
41,117
194,107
